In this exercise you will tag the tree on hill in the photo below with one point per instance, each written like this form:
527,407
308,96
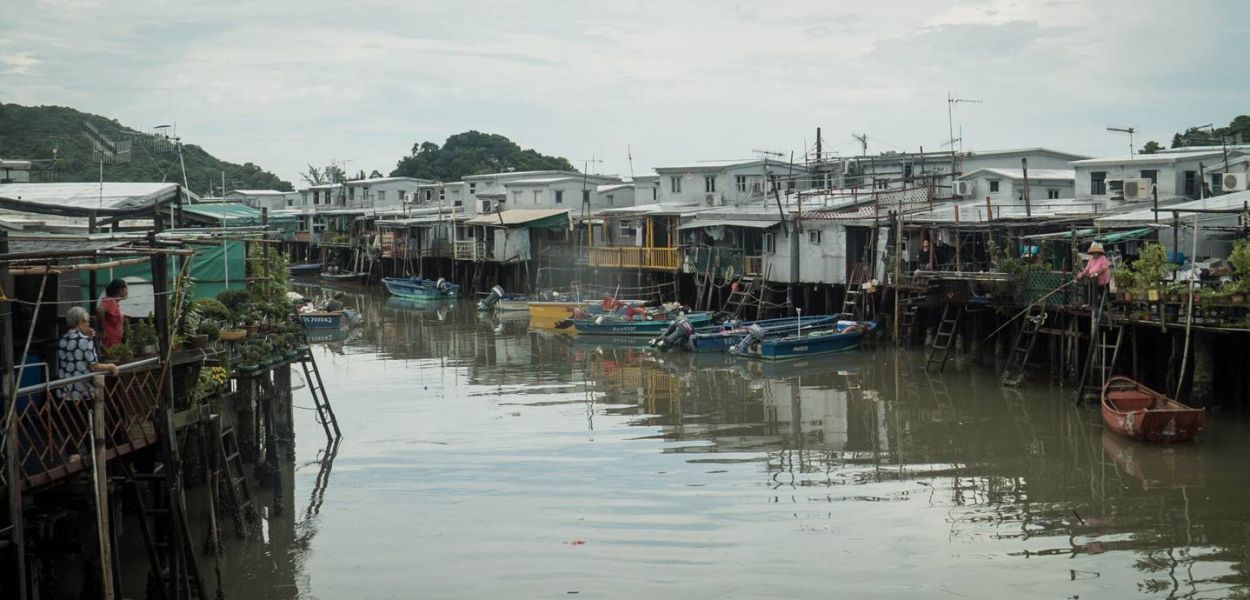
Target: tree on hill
1237,129
52,136
473,153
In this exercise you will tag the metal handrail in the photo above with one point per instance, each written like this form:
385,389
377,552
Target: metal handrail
48,386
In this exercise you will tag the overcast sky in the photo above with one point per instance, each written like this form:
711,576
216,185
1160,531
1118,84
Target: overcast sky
283,84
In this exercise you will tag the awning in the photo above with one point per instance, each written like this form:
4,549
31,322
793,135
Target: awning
749,223
528,218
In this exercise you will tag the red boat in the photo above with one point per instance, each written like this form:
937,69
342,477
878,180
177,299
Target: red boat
1136,411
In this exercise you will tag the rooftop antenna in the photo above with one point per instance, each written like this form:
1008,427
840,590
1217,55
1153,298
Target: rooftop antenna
586,162
768,153
630,155
1130,131
1223,141
951,101
105,150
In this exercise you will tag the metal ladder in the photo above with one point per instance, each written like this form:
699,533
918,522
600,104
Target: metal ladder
940,350
852,297
242,508
321,401
1101,361
1018,361
741,299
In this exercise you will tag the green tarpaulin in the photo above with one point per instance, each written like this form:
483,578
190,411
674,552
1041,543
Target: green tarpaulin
211,268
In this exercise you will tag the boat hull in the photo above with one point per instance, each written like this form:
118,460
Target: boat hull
845,337
1135,411
322,320
414,288
344,277
553,311
616,326
712,340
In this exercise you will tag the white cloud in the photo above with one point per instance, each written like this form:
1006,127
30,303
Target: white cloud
19,63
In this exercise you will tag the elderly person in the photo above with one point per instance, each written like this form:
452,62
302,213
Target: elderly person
108,312
76,353
1097,270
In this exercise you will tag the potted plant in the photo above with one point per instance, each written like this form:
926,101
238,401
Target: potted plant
143,337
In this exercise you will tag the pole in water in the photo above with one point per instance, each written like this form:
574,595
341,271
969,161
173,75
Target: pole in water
799,331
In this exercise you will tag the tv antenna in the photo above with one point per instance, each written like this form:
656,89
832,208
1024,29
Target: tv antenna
951,101
767,153
1130,131
105,150
863,143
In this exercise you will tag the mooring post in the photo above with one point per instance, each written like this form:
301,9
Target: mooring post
1204,370
101,484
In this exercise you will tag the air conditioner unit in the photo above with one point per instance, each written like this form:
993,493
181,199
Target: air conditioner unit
962,188
712,199
1233,182
1138,189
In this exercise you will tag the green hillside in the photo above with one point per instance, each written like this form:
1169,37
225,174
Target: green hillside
39,132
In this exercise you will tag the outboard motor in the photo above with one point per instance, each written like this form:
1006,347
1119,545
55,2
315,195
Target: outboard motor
496,294
679,331
442,285
755,334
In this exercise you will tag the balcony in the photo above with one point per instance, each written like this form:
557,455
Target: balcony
470,250
728,262
631,257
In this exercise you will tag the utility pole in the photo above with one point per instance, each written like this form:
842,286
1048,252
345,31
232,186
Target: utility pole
586,162
1132,150
863,145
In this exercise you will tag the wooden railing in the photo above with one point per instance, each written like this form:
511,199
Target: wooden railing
54,438
631,257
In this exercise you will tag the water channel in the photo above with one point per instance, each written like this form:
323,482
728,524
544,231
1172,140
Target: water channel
487,459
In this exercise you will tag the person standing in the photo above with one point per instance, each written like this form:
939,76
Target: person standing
76,353
1097,271
109,313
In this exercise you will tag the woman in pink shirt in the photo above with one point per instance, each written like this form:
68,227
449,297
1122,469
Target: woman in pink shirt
1098,266
109,313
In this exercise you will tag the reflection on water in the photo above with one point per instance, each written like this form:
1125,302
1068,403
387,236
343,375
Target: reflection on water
483,458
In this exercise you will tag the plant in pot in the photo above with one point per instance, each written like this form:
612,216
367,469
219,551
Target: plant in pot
208,330
143,337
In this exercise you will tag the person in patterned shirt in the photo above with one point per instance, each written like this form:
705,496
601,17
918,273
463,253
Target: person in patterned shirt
76,353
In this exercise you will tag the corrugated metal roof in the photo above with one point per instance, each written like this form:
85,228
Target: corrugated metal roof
229,213
48,242
1018,174
516,216
749,223
111,196
1151,158
1145,215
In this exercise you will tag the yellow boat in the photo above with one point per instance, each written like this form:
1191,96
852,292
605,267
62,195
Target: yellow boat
547,314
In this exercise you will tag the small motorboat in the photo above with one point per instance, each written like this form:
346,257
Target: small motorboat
836,337
328,313
1138,412
338,276
638,322
305,269
498,300
417,288
720,338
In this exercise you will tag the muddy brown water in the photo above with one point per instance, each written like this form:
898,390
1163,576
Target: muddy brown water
486,459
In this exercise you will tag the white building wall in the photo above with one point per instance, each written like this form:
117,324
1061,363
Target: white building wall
1169,182
382,194
728,189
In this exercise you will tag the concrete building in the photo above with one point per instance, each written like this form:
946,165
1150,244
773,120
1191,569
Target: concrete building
1174,175
893,170
1007,185
646,188
725,183
258,199
578,193
383,193
491,186
15,171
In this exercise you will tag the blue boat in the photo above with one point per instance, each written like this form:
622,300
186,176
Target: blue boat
720,338
615,325
329,319
416,288
839,337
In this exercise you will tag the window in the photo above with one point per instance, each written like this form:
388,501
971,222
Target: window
907,172
675,183
1191,183
610,200
429,195
993,186
351,193
709,183
628,230
585,196
402,195
472,188
456,202
442,194
790,185
516,198
881,184
560,196
1098,183
740,181
290,201
1052,193
1151,174
486,206
381,195
770,244
538,196
1217,184
655,193
813,236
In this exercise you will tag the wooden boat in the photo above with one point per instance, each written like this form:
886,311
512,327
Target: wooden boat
416,288
329,319
566,306
1138,412
344,276
304,269
639,325
720,338
837,337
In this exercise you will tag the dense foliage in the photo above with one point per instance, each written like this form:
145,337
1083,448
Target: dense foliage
473,153
1207,136
35,132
